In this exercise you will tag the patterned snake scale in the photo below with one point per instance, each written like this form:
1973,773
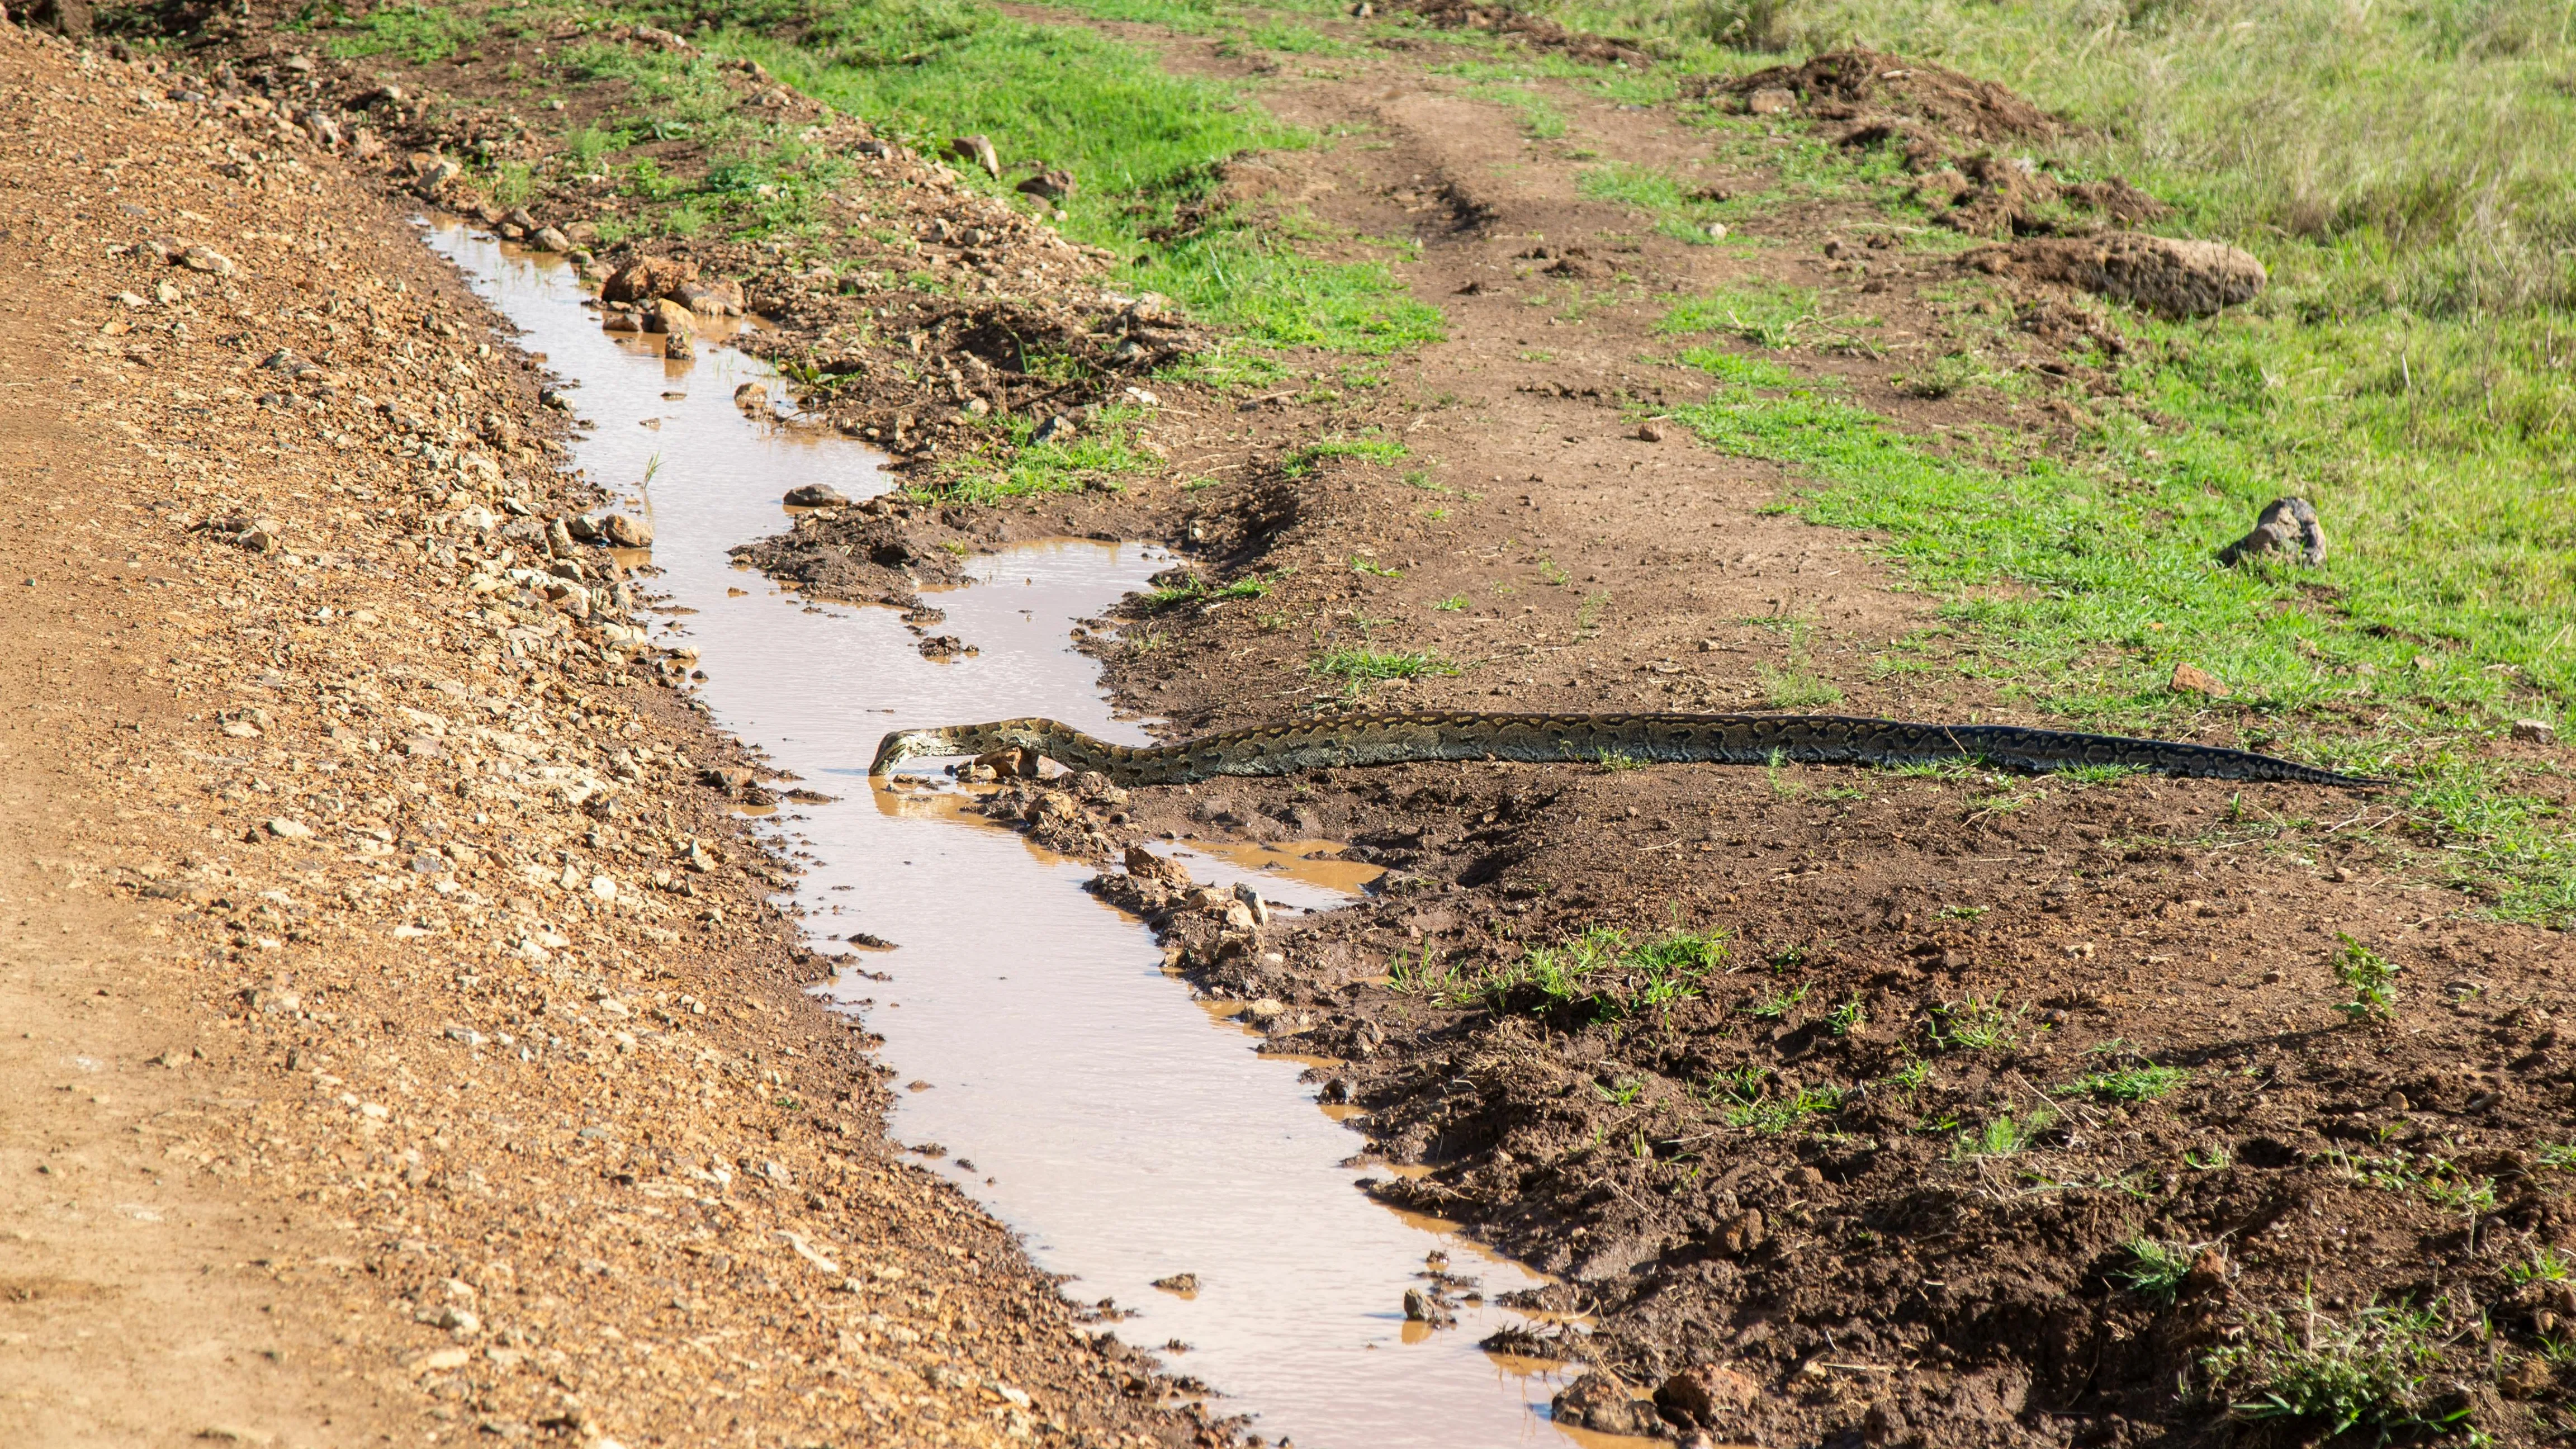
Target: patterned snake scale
1723,739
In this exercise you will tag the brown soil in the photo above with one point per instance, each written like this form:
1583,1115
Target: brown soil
365,929
1845,1270
1857,1263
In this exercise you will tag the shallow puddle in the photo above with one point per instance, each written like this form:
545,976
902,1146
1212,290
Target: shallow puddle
1072,1087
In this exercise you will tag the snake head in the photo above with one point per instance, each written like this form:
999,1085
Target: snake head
902,745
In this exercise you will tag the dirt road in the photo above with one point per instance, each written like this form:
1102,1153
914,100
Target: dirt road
362,928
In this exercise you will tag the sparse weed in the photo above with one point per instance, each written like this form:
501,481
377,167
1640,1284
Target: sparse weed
2003,1135
2372,978
1617,977
2127,1084
1775,1115
2155,1268
2545,1265
1851,1016
2368,1371
1909,1077
1775,1005
1976,1024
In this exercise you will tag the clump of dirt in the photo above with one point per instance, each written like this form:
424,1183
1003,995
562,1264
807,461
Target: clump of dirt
1536,31
2165,276
1850,85
1993,196
880,551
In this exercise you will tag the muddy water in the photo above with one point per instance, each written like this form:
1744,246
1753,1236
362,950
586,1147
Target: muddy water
1068,1084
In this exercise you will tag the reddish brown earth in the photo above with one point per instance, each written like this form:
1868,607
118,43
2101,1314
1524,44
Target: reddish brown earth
1765,1195
337,1099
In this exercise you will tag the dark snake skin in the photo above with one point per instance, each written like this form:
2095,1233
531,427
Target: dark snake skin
1724,739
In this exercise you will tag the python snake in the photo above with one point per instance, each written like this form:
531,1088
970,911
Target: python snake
1724,739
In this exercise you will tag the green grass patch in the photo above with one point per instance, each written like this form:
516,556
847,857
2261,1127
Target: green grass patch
1368,666
1604,972
2154,1269
1303,460
2115,585
2127,1084
1103,454
1766,314
418,33
2003,1135
2371,1371
1676,212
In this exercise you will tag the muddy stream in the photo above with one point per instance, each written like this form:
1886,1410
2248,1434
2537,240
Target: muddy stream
1073,1088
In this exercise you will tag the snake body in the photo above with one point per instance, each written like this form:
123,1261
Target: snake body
1723,739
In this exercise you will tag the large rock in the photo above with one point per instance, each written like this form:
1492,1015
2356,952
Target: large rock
627,531
646,278
2173,278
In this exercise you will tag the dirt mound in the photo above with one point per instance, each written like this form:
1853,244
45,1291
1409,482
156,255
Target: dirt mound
1992,196
1844,85
2165,276
1536,30
878,551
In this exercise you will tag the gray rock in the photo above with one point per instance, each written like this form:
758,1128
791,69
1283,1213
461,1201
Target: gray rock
815,495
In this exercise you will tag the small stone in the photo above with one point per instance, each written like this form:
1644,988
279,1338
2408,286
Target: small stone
676,348
626,531
459,1321
1771,101
1650,431
1184,1284
2192,679
1057,429
665,315
550,239
978,149
285,829
206,259
815,495
465,1034
2535,732
1421,1307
